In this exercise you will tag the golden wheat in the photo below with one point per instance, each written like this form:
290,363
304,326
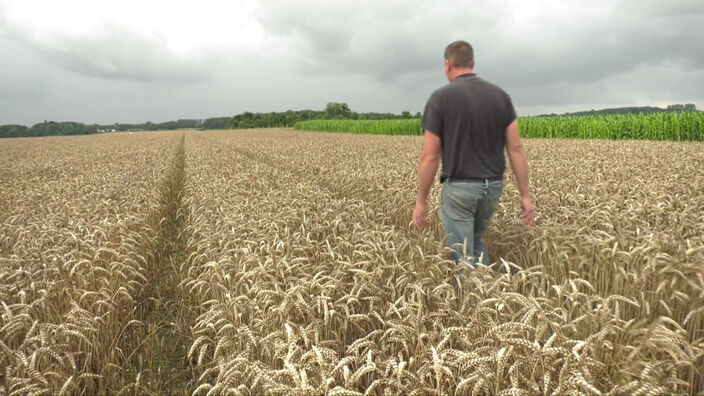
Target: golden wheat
75,228
304,276
310,224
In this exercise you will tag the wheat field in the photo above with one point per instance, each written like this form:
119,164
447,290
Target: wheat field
283,262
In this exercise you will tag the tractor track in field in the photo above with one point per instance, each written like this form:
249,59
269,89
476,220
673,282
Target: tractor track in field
157,362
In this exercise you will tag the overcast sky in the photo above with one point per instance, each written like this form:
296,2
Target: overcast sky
99,61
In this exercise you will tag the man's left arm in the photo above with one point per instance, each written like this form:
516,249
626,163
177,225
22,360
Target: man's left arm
429,160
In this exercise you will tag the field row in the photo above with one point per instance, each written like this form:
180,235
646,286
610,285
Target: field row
78,227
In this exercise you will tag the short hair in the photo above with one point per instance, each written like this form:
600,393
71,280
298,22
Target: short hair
460,54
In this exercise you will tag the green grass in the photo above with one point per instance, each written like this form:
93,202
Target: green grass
680,126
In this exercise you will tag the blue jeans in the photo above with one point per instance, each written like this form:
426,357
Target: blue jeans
466,210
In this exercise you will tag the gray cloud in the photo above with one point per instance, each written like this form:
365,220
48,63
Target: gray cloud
382,39
376,56
615,45
335,37
113,52
552,62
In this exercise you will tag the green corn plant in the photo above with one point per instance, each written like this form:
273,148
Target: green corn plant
680,126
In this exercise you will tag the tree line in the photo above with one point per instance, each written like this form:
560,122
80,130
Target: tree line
629,110
52,128
240,121
333,111
248,119
47,128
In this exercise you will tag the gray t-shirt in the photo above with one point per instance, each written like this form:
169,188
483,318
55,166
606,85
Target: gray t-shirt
470,115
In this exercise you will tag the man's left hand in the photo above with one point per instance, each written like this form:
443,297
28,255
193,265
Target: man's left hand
419,217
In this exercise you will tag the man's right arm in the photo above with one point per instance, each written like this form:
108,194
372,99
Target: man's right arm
519,164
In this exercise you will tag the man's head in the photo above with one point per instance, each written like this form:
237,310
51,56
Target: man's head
459,59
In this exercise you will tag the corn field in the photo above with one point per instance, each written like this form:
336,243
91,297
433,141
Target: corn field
682,126
375,127
281,262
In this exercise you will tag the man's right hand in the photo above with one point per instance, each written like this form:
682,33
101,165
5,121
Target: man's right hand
527,215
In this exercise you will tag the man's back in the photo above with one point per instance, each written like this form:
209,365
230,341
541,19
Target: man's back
470,115
468,123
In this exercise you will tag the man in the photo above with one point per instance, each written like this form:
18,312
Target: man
468,123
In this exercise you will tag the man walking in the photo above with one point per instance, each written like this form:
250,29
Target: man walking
469,122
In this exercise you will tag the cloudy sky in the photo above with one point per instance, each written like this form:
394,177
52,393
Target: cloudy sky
133,61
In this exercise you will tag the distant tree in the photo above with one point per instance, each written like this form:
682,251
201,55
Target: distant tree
9,131
52,128
337,110
168,125
216,123
418,115
181,123
262,121
405,115
625,110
